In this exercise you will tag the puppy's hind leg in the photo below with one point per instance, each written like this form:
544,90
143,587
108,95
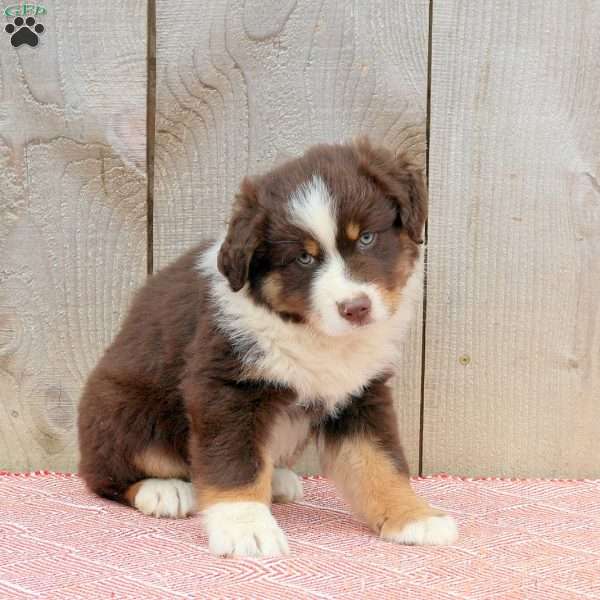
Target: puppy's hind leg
173,498
286,486
168,492
121,458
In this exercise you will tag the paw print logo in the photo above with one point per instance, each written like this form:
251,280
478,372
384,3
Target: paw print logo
24,32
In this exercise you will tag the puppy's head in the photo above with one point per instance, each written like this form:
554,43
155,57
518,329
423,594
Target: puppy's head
329,239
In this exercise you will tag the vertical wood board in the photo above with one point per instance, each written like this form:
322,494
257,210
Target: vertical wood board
512,370
72,215
244,85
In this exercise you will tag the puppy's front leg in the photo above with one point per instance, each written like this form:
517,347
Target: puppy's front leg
361,452
232,471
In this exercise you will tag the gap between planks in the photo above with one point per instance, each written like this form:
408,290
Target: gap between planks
150,133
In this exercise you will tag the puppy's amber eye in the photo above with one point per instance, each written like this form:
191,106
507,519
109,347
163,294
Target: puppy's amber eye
366,239
305,259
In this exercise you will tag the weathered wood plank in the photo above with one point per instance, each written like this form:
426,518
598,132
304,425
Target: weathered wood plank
243,85
72,216
513,304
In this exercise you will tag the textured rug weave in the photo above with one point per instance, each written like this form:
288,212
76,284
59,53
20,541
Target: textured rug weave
519,539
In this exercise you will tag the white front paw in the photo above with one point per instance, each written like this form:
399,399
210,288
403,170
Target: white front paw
243,529
431,530
286,486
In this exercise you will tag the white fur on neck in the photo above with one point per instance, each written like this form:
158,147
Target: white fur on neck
320,368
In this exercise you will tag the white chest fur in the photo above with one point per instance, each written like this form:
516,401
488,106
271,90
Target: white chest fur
321,369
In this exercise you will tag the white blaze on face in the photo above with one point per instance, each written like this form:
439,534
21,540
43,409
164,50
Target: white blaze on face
313,209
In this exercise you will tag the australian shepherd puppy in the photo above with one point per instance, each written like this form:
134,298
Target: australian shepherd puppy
235,355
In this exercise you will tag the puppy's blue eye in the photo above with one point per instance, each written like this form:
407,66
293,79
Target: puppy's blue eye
366,239
305,259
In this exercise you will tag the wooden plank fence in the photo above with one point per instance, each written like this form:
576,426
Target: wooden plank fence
72,216
125,132
512,373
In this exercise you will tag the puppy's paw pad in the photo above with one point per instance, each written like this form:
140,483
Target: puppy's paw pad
429,531
287,486
172,498
243,529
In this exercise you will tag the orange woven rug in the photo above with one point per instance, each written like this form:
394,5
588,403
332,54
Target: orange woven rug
519,539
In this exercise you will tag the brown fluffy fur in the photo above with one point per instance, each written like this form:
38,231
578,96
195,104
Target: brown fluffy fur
171,397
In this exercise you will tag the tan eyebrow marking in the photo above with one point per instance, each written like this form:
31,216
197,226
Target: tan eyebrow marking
311,247
352,231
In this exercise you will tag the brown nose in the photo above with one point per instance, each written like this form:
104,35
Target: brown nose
356,310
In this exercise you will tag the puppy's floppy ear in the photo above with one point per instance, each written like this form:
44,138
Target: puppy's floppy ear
244,235
400,180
